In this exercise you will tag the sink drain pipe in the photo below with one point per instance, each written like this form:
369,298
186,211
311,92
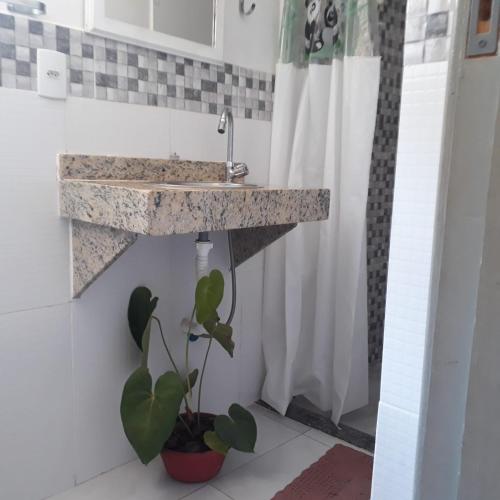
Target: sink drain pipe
203,248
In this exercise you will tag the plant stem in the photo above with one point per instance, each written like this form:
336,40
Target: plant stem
166,347
187,352
186,425
201,377
170,357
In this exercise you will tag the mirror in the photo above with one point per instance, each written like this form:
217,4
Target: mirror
185,27
189,19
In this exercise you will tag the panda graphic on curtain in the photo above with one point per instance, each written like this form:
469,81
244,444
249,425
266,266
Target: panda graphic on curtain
322,25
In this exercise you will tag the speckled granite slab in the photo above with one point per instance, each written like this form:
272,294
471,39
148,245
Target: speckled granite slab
250,241
112,199
142,169
94,249
148,209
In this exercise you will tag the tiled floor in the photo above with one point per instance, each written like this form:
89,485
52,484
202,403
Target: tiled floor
284,449
365,419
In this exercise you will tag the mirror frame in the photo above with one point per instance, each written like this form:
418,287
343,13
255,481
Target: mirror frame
97,23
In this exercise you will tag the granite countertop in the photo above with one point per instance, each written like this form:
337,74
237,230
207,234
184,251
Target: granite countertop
123,193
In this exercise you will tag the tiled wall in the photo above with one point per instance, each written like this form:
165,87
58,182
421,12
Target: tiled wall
103,68
58,348
381,189
428,30
409,280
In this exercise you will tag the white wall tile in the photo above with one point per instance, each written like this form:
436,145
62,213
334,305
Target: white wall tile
35,248
251,41
456,318
111,128
418,161
225,379
395,454
103,350
413,53
439,6
479,476
105,354
409,280
250,281
38,267
195,136
36,414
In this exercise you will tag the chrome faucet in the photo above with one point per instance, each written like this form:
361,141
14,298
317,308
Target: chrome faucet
240,169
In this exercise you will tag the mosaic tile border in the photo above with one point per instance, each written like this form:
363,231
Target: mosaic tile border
428,31
383,168
103,68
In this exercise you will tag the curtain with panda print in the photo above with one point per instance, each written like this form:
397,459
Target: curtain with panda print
315,324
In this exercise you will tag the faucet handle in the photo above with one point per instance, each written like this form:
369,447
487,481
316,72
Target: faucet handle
239,170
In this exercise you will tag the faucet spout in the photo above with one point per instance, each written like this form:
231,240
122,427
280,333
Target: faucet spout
226,122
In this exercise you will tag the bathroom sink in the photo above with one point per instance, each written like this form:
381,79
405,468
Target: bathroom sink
205,185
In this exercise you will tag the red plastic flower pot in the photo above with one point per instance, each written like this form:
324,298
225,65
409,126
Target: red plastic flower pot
192,467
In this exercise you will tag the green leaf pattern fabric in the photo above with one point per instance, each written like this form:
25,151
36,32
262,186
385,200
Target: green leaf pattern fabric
318,31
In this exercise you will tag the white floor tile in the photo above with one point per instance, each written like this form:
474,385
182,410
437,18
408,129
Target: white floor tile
287,422
132,481
262,478
323,438
365,419
270,434
331,441
207,493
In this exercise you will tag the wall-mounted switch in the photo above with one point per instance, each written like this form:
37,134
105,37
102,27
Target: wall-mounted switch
484,21
52,78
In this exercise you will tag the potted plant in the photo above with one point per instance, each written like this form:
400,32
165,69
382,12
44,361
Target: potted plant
162,420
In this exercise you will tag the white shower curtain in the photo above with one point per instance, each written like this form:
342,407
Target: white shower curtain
315,283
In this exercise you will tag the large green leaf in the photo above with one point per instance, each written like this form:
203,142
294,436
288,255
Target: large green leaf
149,416
222,333
140,309
214,442
208,296
193,377
239,430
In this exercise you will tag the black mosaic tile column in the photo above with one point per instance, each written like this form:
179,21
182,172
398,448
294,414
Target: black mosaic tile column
392,15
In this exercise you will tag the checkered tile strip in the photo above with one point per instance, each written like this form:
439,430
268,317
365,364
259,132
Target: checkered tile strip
106,69
428,30
383,165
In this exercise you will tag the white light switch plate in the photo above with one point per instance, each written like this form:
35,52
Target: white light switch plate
52,79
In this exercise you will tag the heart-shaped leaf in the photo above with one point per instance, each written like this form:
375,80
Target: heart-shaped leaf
239,430
214,442
193,377
149,416
208,296
222,333
140,309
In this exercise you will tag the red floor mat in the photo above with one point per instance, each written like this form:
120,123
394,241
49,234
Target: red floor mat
342,473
